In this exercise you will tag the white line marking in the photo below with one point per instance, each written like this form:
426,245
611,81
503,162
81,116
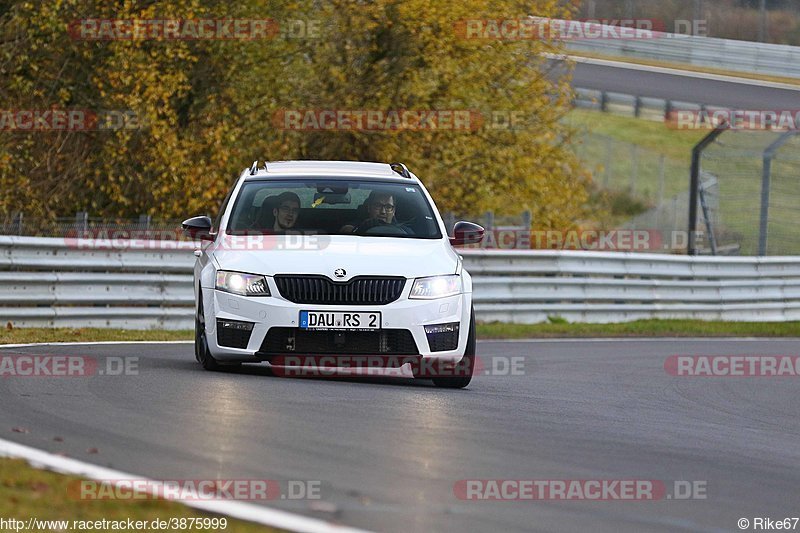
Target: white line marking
676,72
235,509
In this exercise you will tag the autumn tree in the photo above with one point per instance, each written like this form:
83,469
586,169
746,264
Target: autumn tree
206,108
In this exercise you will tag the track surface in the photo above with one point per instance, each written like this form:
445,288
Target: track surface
683,88
388,451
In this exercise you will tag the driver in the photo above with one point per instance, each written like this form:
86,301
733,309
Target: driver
380,211
380,206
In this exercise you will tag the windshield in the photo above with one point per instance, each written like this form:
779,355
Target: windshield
333,207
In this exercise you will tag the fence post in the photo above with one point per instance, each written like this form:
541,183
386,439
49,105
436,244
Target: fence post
694,183
82,222
449,222
144,222
489,220
527,219
18,222
660,200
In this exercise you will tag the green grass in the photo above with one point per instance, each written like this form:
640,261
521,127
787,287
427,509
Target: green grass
25,335
735,159
648,134
608,151
26,492
556,327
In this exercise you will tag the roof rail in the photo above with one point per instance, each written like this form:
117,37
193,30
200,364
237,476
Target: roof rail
401,169
254,167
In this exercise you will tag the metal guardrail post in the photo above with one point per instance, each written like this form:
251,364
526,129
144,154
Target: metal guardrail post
694,184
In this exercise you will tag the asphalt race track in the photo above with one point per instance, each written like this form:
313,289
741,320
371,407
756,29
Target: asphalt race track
388,452
684,88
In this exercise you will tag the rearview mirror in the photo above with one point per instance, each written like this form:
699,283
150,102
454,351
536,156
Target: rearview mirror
198,227
466,233
330,198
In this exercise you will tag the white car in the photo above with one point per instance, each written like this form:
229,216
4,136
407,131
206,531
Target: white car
341,261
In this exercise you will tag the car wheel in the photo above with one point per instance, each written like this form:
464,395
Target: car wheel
465,367
201,351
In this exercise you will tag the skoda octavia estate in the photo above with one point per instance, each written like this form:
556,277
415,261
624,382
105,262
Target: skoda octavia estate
334,261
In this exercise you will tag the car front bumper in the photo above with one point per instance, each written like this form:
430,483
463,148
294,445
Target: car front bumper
276,312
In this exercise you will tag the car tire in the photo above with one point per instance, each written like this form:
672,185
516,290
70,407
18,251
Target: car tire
201,351
465,365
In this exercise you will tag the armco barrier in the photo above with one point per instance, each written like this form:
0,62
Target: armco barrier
727,54
53,282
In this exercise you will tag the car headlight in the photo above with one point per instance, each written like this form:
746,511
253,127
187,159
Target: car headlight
435,287
242,284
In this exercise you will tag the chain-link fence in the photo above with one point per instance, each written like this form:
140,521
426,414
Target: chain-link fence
758,193
81,224
626,167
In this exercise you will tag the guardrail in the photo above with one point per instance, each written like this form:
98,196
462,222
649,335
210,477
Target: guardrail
53,282
727,54
646,107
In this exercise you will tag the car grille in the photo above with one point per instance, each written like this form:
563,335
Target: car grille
323,290
301,341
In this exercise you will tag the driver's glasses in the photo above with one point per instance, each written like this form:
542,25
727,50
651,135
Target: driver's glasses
389,208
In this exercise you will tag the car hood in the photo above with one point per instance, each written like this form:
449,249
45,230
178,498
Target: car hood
324,254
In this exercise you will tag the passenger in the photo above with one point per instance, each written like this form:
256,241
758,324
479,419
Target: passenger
286,211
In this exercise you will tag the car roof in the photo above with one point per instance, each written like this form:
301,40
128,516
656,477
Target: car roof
329,169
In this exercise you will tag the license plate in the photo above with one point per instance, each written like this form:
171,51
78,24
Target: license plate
340,320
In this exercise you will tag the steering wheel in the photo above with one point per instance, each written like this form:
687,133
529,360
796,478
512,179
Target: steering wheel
374,226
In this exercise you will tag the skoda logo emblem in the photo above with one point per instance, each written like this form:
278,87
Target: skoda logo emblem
340,272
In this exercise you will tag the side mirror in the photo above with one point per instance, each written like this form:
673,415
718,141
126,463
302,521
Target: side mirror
466,233
198,227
